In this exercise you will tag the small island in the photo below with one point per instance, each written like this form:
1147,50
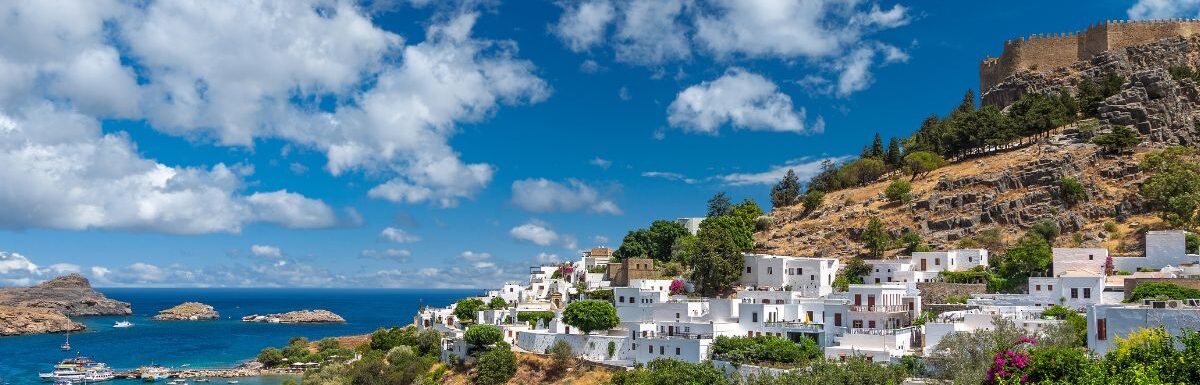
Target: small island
295,317
188,311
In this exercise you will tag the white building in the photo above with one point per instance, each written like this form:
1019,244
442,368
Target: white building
873,321
1105,322
1079,260
924,266
1163,248
981,318
691,224
811,276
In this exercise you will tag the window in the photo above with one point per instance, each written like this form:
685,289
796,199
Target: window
808,316
779,302
871,324
1038,288
970,259
1074,292
1049,287
801,271
747,269
1101,329
660,350
858,300
876,280
754,317
621,299
1090,257
1087,292
876,270
857,324
676,315
770,270
837,319
677,351
651,348
812,277
937,261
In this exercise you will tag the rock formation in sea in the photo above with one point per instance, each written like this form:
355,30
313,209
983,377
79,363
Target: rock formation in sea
72,295
188,311
16,321
299,316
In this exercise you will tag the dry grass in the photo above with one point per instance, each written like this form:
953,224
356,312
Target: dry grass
533,369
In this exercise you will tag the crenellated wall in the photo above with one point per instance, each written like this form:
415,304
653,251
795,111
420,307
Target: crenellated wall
1048,51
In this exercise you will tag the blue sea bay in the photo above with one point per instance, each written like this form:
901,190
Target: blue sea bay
221,343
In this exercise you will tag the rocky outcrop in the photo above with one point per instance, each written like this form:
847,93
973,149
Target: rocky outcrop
72,295
15,321
299,316
188,311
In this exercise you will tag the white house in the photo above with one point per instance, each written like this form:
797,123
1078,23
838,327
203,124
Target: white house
873,321
1079,260
1163,248
924,266
811,276
981,318
885,271
1118,320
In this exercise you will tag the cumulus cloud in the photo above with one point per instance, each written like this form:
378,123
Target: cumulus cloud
233,72
741,99
671,176
534,232
601,162
583,24
1162,9
543,195
547,259
395,235
804,169
651,32
266,251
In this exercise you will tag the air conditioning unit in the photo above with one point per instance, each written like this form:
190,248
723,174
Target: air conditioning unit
1174,304
1193,302
1158,304
1146,302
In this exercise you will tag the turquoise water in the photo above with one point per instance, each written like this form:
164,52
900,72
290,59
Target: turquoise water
222,343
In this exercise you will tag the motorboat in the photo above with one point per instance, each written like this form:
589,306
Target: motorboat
72,369
63,382
122,324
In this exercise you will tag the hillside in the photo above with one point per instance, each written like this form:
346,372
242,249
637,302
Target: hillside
1012,189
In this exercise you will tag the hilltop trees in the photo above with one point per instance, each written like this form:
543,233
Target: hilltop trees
787,191
467,308
920,163
654,242
719,205
1120,139
718,262
876,238
1173,188
482,336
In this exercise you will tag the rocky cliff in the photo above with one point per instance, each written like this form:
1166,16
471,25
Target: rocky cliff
70,294
299,316
20,321
188,311
1010,190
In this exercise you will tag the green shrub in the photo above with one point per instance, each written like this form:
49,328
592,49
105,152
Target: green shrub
589,315
532,317
482,335
496,366
1072,190
612,349
765,349
1162,290
898,191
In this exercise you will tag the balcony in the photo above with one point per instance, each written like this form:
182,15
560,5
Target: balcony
881,308
879,332
681,335
796,325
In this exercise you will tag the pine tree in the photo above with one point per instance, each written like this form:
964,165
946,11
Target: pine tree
787,191
719,205
866,152
893,156
877,147
968,102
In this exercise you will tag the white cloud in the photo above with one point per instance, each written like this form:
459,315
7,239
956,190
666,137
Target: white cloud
1162,9
856,67
232,72
651,32
569,242
739,98
789,29
547,259
74,176
396,255
16,263
583,24
395,235
543,195
534,232
803,168
601,162
266,251
474,256
671,176
600,239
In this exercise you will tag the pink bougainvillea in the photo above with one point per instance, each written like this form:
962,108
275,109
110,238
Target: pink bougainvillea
1011,366
677,287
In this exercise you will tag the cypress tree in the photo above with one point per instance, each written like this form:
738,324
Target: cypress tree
893,155
877,147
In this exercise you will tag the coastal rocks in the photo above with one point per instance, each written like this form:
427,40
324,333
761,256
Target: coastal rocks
72,295
299,316
188,311
15,321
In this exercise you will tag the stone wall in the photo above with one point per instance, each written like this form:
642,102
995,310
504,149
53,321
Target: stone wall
936,292
1131,283
619,273
1045,52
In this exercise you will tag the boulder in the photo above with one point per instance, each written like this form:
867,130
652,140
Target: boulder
188,311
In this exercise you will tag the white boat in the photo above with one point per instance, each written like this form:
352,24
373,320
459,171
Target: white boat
122,324
66,344
233,381
154,373
98,374
71,369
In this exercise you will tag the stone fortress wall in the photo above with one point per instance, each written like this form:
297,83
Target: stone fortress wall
1048,51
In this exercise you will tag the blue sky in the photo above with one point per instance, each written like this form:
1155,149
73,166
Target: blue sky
443,144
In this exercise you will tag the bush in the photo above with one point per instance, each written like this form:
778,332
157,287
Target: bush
467,308
429,341
270,357
483,335
812,200
497,303
1075,321
496,366
1111,227
958,298
612,349
1161,290
765,349
1121,138
400,355
898,191
386,339
561,356
532,317
1072,190
666,371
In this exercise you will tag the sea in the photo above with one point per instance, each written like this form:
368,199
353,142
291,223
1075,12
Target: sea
220,343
